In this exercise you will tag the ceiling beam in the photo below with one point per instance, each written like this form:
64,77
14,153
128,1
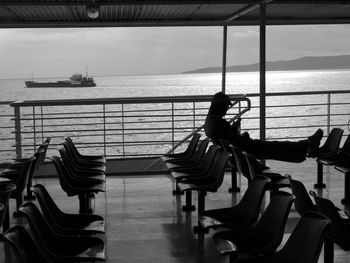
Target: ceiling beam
246,10
163,2
126,2
269,22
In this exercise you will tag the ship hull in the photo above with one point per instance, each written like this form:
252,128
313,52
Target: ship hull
58,84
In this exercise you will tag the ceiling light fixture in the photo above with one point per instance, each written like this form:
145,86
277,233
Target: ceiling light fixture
93,10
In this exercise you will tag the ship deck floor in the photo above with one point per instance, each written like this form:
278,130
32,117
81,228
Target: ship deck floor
145,222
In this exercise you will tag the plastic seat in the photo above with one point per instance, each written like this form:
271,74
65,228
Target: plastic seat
277,180
197,171
191,148
343,155
340,228
83,163
83,157
264,236
40,156
6,189
65,222
80,173
243,214
209,183
192,161
241,163
19,177
303,202
330,147
303,245
68,248
21,248
83,189
345,169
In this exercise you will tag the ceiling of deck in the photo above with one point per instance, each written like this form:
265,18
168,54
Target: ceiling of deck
114,13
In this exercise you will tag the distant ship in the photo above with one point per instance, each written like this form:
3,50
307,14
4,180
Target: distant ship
75,81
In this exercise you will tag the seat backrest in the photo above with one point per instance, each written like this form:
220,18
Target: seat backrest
209,156
269,229
303,202
19,243
71,151
62,174
346,146
305,242
217,170
67,161
23,177
251,201
192,146
6,190
200,152
48,207
38,225
241,163
339,233
253,164
332,142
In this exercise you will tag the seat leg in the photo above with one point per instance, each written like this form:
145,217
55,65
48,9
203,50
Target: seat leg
19,201
320,183
234,186
346,199
6,224
188,206
201,201
328,250
29,196
83,207
177,191
198,229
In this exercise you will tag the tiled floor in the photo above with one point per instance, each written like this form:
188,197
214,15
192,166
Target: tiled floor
145,222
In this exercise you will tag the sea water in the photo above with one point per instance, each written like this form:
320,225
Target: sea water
181,84
206,84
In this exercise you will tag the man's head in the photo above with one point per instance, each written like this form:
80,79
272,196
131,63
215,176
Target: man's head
220,103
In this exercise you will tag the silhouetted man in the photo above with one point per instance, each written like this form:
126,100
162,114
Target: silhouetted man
217,128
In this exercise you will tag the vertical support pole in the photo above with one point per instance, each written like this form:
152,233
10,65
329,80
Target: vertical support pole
18,138
263,71
224,55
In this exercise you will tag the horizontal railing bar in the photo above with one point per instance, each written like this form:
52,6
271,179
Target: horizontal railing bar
302,93
125,100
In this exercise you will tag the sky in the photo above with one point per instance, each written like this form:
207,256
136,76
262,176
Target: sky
158,50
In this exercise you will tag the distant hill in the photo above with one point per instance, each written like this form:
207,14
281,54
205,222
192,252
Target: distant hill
303,63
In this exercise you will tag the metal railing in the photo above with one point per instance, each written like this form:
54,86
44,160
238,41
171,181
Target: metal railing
139,127
116,127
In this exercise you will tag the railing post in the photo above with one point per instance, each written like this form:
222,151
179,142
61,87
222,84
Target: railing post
18,140
328,113
123,130
194,115
34,130
42,124
172,126
104,129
